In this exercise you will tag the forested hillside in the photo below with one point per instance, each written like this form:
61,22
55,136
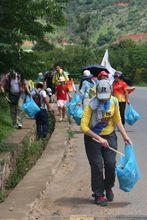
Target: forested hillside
99,22
74,33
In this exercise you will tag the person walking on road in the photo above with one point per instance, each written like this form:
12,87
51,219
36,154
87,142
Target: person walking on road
87,86
42,123
62,95
98,124
13,84
59,72
103,75
121,93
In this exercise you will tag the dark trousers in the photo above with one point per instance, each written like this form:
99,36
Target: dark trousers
102,162
42,124
122,106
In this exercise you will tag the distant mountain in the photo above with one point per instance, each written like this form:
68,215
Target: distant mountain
101,22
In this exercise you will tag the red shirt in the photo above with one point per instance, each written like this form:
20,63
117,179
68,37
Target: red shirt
62,91
119,90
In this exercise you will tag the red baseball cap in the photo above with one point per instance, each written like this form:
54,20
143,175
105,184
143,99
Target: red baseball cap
103,73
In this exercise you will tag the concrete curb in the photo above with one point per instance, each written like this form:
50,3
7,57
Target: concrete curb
22,198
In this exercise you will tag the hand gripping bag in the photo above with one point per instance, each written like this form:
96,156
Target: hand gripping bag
131,116
127,170
30,107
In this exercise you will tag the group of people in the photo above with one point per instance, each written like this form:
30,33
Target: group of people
103,110
55,86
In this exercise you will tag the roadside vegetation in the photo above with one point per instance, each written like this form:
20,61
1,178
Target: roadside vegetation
5,120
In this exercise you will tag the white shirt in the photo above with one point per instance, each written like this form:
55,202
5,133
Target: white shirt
42,95
14,86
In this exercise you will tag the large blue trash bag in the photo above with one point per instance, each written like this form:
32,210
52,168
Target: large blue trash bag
127,170
78,114
71,107
73,103
77,97
30,107
131,116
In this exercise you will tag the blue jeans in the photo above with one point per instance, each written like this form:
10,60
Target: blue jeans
101,159
42,123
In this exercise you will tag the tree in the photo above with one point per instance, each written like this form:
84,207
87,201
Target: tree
25,20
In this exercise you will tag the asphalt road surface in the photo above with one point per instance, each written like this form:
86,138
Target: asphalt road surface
69,194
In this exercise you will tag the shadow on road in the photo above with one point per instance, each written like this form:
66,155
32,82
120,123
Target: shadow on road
118,204
73,201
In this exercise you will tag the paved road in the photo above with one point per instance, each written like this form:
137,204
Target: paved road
70,194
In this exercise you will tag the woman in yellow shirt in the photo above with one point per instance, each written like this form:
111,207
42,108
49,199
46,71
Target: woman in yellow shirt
98,122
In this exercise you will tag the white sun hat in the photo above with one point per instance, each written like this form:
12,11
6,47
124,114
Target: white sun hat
87,74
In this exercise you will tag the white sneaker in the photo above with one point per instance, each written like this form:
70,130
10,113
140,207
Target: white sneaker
19,125
61,119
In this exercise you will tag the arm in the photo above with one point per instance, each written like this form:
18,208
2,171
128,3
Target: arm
26,87
2,89
125,86
118,122
47,103
126,96
120,127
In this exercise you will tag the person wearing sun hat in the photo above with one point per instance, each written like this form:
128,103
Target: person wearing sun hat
103,75
87,85
98,123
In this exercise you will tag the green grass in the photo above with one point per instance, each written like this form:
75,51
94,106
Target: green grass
5,120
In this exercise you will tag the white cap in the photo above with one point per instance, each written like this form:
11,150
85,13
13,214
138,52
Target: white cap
103,89
61,79
40,74
87,74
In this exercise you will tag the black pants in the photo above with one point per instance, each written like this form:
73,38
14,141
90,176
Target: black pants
102,162
42,124
122,106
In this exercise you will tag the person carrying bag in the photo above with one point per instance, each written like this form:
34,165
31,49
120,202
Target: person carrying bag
98,123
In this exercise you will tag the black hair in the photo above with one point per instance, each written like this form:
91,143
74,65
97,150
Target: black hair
39,86
57,64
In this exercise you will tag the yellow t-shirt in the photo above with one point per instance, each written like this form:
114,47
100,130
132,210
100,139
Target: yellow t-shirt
112,115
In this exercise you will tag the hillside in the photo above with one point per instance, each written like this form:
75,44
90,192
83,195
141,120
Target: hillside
100,22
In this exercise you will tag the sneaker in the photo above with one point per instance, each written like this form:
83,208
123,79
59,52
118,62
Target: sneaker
101,200
19,125
61,119
15,126
109,194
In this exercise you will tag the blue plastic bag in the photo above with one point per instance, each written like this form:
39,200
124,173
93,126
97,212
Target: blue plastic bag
30,107
71,106
77,97
127,170
131,116
78,114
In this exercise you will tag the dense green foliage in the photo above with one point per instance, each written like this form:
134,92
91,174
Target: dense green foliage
25,20
89,24
127,56
99,22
